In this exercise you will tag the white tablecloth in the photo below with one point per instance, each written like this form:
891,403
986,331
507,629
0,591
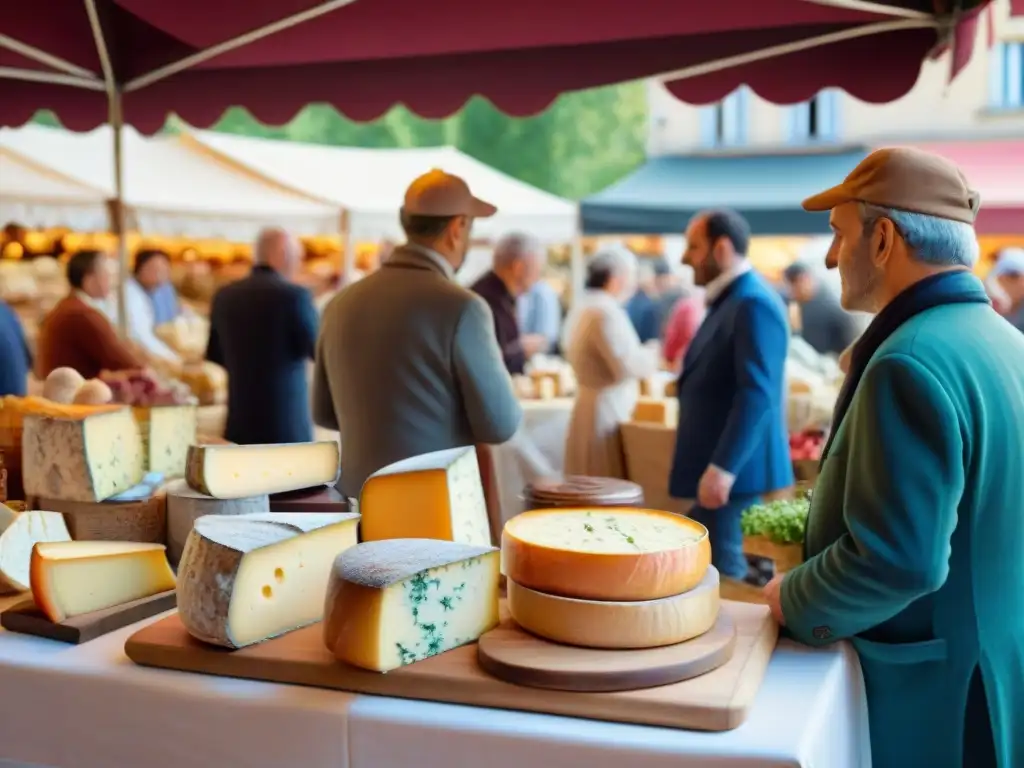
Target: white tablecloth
89,707
537,450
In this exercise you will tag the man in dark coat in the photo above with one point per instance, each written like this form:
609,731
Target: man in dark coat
262,331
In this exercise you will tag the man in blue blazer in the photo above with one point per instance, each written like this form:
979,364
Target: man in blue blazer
263,331
731,445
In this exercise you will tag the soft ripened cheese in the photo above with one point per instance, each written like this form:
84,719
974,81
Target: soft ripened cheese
81,459
657,411
437,495
69,578
607,624
167,433
185,506
19,533
610,553
395,602
247,578
237,471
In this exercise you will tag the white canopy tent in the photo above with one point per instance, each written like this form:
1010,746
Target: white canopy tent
36,196
170,187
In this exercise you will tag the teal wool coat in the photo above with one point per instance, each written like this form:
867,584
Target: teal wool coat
915,541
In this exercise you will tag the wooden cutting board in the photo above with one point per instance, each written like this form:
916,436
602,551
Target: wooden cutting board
326,498
510,653
25,618
717,701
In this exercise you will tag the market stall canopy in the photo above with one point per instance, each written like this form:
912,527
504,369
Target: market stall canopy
663,194
170,188
370,183
35,196
197,57
993,167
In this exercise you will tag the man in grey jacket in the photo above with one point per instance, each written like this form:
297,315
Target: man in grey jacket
407,361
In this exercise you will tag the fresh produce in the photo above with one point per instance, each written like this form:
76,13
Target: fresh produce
806,445
93,392
62,385
782,522
144,388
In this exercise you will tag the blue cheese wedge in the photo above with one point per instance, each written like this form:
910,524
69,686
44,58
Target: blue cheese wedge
398,601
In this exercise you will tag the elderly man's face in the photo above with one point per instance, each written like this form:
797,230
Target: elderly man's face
526,271
851,252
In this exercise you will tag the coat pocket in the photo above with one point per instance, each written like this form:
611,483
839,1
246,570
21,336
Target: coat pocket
912,709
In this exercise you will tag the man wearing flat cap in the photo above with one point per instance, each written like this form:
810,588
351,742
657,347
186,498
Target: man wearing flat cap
915,540
407,362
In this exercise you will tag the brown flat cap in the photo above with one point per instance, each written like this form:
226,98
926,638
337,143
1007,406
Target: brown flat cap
906,179
440,194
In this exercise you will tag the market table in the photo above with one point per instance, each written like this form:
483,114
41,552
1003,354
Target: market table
89,707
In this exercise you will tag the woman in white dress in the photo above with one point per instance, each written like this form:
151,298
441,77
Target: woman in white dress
608,359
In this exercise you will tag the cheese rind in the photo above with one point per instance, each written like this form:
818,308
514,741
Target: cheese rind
167,432
395,602
134,521
608,553
437,495
247,578
185,506
81,459
237,471
19,533
71,578
617,625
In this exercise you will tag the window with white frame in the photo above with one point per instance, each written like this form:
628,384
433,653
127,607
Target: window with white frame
816,120
725,124
1005,81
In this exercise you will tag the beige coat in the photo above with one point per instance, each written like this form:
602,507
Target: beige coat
606,354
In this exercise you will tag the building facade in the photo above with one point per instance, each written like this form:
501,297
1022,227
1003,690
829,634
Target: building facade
986,101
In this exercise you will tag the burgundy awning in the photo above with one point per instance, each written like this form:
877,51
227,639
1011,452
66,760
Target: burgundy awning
363,56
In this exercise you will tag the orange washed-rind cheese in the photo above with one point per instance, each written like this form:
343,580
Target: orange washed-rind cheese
605,553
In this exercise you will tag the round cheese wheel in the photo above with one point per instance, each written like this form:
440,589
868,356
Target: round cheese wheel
605,553
617,625
582,491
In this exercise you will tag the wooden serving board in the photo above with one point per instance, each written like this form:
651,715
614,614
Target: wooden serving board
25,618
717,701
510,653
326,498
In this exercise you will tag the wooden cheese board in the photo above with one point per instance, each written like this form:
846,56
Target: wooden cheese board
24,617
717,701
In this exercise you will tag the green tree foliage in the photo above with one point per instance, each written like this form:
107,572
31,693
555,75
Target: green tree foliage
580,144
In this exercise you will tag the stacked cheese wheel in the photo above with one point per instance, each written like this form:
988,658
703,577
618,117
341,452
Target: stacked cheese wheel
610,577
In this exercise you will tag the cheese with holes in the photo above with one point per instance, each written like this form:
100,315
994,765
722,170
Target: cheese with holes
434,496
247,578
167,433
237,471
185,506
70,578
608,553
657,411
89,458
395,602
19,533
617,625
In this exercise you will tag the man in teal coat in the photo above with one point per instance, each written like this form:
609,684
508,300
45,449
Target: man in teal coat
915,540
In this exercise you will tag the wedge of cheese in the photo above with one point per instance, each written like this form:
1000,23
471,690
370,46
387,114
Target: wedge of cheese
69,578
167,433
90,458
395,602
237,471
247,578
657,411
605,553
617,625
19,533
434,496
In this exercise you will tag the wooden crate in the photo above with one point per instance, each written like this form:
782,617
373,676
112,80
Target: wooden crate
785,556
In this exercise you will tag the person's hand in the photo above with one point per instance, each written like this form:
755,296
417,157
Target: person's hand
533,343
714,488
772,593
